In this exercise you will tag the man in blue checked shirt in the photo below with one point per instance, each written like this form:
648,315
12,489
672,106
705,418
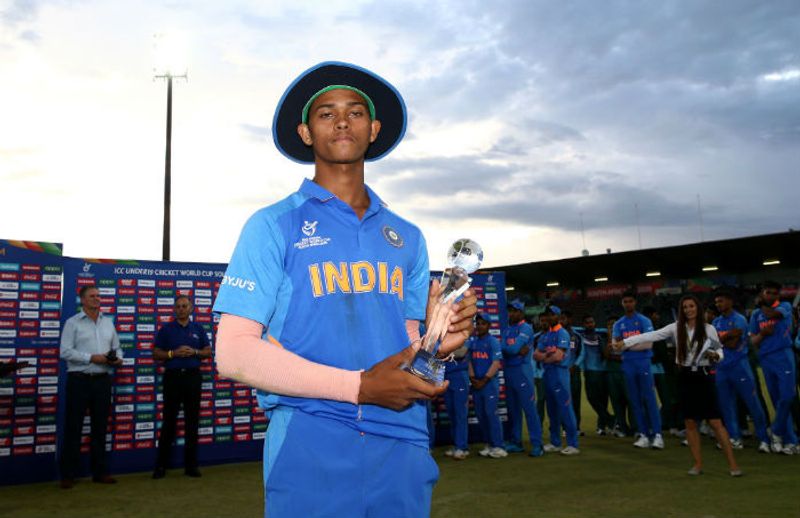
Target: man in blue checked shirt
518,372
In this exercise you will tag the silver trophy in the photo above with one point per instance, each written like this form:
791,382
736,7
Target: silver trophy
464,257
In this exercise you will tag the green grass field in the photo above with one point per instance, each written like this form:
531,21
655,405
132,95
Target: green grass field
609,478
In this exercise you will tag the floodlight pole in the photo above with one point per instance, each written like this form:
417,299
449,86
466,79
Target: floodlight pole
167,176
168,168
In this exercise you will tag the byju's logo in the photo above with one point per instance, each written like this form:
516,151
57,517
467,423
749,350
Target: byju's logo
309,228
86,267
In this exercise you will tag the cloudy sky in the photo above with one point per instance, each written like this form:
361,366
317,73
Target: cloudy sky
525,118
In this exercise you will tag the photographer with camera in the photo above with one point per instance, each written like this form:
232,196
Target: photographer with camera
90,346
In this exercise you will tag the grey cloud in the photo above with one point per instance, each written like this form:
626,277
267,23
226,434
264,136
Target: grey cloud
20,11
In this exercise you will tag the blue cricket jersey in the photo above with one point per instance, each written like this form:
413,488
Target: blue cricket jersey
483,351
632,326
781,338
725,325
557,337
335,290
515,337
593,345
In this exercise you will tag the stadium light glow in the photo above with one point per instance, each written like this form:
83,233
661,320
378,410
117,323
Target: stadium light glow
653,274
552,284
771,262
509,288
600,279
710,268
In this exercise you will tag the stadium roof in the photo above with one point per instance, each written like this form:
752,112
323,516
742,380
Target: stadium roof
729,256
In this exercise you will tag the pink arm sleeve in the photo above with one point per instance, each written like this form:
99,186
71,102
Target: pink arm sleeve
242,355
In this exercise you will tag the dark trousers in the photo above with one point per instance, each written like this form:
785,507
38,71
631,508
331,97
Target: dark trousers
539,384
575,386
597,394
94,393
665,387
619,401
181,387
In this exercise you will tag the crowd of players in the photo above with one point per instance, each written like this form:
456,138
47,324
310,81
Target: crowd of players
543,361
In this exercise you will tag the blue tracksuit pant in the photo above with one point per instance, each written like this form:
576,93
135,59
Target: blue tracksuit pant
558,398
521,397
642,395
779,373
485,401
315,466
456,399
738,380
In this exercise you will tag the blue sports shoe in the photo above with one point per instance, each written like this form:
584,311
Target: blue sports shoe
511,447
537,451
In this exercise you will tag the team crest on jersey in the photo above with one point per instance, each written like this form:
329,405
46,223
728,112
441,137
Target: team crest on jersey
392,237
309,228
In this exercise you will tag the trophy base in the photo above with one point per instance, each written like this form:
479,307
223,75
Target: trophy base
427,367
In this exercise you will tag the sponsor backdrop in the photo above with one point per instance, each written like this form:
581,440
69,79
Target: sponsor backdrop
30,312
491,291
139,296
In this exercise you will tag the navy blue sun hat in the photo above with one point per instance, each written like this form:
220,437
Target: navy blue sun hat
385,104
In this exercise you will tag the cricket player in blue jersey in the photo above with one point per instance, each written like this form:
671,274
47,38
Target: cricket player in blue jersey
484,362
734,376
770,331
553,350
518,374
322,297
638,375
456,400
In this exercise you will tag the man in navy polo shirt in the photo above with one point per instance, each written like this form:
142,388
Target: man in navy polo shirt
330,286
181,345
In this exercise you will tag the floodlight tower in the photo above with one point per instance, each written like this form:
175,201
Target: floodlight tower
170,63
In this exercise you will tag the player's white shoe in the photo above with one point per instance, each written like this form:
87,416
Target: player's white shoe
763,447
789,449
570,450
642,441
737,444
658,442
704,428
497,453
675,432
777,444
460,454
449,452
485,451
549,448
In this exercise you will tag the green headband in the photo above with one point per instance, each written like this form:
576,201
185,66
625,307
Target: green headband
370,105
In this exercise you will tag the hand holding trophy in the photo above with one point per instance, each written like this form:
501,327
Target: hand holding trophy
464,257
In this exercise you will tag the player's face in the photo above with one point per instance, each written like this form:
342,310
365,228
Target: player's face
769,296
589,324
689,309
629,304
183,308
481,326
554,320
339,128
91,299
724,304
514,315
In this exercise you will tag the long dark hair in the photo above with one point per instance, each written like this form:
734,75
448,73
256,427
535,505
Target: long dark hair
699,336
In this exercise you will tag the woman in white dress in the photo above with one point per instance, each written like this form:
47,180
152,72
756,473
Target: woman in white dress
698,350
